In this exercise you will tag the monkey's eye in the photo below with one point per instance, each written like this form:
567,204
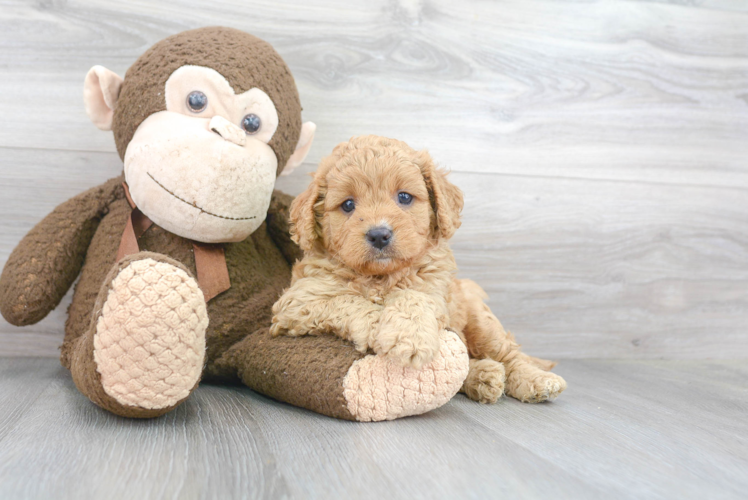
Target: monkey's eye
404,198
197,101
348,206
251,123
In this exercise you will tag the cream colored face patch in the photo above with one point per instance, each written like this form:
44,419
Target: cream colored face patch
192,182
202,169
220,100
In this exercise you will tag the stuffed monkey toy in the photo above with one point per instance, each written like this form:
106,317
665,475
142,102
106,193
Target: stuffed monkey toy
181,258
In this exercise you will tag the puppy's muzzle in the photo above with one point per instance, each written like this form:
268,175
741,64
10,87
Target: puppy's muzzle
379,237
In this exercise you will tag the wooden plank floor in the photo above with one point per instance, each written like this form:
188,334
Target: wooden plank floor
624,429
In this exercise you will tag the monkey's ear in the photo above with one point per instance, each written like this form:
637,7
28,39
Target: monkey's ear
302,148
446,198
303,218
100,92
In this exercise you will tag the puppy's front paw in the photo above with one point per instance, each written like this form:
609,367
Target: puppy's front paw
276,329
412,352
283,326
408,342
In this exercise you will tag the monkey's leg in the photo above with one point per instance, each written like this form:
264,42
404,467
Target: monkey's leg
144,351
527,378
326,374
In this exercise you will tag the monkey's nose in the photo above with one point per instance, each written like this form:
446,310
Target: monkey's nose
228,130
379,237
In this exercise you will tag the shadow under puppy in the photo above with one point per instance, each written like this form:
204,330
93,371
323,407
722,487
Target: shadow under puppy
377,270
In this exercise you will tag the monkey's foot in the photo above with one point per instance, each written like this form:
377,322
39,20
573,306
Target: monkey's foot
530,384
378,388
485,381
147,343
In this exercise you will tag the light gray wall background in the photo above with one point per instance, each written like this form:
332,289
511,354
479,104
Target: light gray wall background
602,145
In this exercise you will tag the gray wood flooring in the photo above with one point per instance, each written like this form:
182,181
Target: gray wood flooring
623,429
601,145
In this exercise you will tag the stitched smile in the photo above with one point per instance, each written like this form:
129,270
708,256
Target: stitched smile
195,206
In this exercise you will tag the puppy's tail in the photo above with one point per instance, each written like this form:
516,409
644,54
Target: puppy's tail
543,364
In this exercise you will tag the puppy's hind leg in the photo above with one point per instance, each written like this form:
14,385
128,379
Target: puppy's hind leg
527,378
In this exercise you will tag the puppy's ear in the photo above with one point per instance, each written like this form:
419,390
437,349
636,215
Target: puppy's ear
303,218
446,198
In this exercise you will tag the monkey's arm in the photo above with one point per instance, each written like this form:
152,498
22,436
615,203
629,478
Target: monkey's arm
313,306
278,227
48,259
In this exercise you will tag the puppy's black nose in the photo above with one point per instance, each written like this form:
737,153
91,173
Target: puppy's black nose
379,237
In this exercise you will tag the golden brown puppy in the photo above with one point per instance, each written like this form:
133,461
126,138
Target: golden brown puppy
377,270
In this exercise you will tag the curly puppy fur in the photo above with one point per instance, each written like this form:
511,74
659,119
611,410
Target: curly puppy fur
377,270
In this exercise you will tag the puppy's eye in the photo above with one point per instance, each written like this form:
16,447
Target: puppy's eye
348,206
405,198
251,123
197,101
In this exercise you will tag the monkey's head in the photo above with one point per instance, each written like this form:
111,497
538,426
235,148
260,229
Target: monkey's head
204,121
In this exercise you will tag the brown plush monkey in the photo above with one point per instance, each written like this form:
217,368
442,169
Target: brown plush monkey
181,259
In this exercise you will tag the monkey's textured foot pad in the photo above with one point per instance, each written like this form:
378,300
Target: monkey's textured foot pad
377,388
149,344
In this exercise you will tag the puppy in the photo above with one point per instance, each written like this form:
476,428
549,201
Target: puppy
374,225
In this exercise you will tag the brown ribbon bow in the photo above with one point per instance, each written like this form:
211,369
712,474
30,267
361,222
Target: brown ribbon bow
210,260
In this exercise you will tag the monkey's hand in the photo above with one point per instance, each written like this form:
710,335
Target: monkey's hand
45,263
409,328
